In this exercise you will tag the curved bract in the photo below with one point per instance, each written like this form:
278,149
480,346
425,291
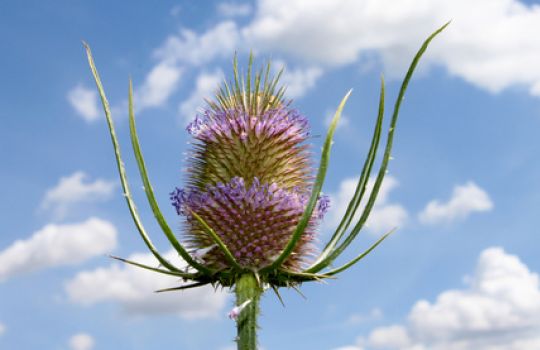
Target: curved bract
251,205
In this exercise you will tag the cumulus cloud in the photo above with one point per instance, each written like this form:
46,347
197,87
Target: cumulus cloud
133,289
466,199
391,337
232,9
503,297
75,189
56,245
158,86
299,80
499,309
2,329
81,341
384,216
85,102
298,31
189,47
185,49
205,87
485,44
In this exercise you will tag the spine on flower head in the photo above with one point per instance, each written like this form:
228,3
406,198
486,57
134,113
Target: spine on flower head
249,177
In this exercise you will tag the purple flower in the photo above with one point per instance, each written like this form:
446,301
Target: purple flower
249,179
254,221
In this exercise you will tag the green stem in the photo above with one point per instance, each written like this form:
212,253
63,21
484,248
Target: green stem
247,288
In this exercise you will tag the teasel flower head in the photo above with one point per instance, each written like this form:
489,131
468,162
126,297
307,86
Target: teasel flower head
252,199
249,176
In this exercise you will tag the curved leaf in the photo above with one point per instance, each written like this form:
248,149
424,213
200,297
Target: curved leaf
121,168
325,156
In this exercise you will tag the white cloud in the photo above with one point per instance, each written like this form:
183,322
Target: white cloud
85,102
232,9
2,329
221,41
391,337
498,310
384,215
159,84
350,27
298,80
205,87
195,49
81,341
186,48
133,288
56,245
484,45
72,190
504,297
466,199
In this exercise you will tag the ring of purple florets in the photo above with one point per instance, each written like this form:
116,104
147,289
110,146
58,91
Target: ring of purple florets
254,221
284,123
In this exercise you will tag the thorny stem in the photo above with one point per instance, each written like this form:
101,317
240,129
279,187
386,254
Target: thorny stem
247,288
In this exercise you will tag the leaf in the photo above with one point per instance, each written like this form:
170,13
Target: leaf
150,192
187,286
325,156
230,258
387,153
121,168
361,256
322,260
155,269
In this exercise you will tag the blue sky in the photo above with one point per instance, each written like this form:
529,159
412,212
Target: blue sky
460,273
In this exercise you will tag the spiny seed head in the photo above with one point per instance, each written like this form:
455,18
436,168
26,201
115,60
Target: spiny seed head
249,176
